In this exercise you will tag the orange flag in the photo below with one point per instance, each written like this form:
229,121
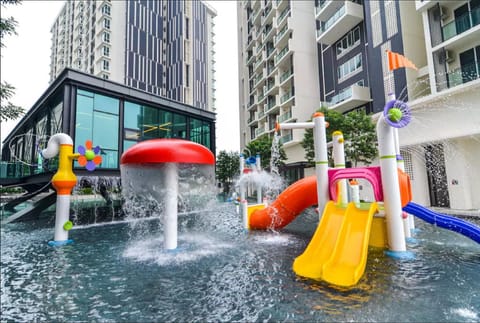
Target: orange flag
396,60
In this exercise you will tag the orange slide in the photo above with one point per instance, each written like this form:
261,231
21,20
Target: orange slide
290,203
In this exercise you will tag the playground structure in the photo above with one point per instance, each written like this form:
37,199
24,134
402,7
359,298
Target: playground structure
160,160
337,252
64,180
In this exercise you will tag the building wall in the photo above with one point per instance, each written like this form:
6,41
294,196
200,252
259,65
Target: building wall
451,118
147,42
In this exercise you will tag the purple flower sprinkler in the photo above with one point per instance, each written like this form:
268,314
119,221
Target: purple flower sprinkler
89,157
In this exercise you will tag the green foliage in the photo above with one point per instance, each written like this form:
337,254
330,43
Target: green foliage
263,146
227,168
358,131
8,111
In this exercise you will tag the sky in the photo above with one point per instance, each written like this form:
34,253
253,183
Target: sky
25,62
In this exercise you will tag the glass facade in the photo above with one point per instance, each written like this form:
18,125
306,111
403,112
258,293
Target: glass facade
88,110
97,119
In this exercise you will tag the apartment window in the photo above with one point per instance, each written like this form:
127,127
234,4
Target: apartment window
106,37
106,65
348,42
106,9
187,75
187,26
106,23
106,51
105,76
349,68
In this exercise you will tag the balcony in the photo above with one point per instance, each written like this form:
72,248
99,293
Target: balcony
461,24
284,117
259,131
282,37
464,74
285,76
287,96
282,17
286,138
345,18
282,55
350,98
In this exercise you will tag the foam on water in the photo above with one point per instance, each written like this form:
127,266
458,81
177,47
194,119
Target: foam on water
191,247
466,313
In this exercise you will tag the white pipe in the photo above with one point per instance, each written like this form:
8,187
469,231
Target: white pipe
391,190
243,201
355,194
259,184
408,223
244,207
297,125
53,145
171,211
62,212
321,160
339,162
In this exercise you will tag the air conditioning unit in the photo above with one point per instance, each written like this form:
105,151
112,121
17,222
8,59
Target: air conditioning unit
446,56
449,56
443,13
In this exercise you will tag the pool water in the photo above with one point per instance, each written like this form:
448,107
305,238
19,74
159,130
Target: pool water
222,273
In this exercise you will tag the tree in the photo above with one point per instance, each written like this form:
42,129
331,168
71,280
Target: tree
358,131
8,110
227,168
263,146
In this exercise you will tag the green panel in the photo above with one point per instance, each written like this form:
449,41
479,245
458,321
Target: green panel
179,128
106,104
109,159
149,123
132,114
105,130
165,122
84,120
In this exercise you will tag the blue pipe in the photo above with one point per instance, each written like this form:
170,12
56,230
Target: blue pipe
468,229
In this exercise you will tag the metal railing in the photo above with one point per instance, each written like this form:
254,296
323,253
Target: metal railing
461,24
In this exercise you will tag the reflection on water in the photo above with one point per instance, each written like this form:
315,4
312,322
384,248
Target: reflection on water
221,273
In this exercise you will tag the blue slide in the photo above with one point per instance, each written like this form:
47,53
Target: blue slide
444,221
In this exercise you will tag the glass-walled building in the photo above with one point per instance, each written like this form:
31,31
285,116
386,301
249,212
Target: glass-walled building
112,115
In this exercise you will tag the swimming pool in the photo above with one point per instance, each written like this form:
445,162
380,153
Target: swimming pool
222,273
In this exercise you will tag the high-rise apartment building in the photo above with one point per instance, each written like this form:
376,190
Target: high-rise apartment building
278,69
162,47
441,146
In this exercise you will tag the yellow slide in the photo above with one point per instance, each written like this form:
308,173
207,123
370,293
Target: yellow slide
310,263
347,264
338,250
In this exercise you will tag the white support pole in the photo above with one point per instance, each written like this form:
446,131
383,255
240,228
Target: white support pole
259,185
321,160
62,213
171,211
408,222
391,189
339,162
243,201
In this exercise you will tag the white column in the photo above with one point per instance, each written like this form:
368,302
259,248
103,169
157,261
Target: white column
391,189
259,184
321,160
62,213
339,162
171,211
